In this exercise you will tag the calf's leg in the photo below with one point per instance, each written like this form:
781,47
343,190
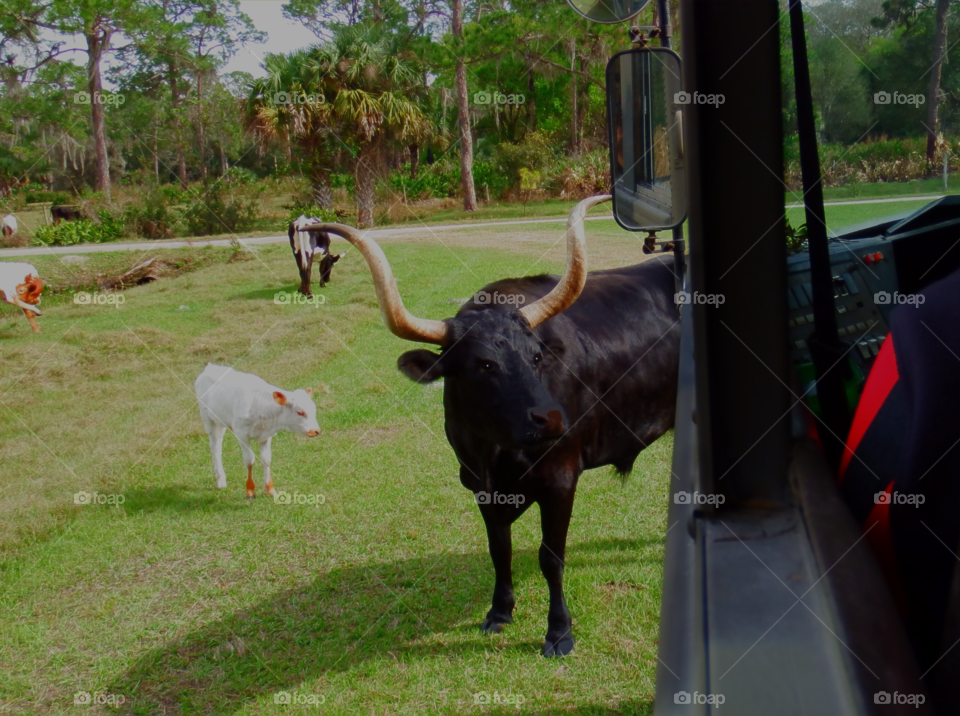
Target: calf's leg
248,459
555,511
216,433
265,457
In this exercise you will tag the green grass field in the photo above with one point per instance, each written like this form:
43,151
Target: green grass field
189,600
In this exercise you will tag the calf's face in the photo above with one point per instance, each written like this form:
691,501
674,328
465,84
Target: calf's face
492,374
299,414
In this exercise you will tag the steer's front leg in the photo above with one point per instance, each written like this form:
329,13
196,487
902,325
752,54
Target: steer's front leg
501,551
555,511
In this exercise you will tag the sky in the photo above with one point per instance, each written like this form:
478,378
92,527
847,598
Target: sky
284,35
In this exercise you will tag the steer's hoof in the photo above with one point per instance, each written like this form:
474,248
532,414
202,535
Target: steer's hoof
490,626
250,495
494,622
561,647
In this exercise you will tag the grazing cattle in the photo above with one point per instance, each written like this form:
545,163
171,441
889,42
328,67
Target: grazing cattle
305,244
65,213
9,225
253,410
544,377
20,286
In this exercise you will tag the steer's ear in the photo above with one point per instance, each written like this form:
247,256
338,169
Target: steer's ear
279,397
309,391
421,365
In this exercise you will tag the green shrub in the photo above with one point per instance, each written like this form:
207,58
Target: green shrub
535,153
487,174
57,198
215,212
434,181
307,208
239,176
151,218
83,231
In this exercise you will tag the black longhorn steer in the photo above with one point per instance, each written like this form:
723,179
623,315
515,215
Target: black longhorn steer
582,374
305,243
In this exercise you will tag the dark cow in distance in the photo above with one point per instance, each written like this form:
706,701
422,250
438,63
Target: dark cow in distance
583,374
65,213
305,244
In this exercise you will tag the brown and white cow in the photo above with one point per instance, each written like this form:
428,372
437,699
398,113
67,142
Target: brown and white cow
20,286
304,245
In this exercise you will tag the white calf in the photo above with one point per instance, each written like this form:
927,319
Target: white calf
254,410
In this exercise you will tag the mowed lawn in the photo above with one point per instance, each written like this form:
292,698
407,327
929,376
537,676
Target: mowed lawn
189,600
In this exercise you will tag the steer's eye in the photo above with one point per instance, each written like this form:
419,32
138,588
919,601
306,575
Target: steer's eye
301,414
486,365
538,358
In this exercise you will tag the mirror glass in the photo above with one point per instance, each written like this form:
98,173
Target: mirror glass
644,101
608,11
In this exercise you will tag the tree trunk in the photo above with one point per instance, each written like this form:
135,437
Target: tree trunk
319,172
224,165
175,103
414,161
939,50
97,42
366,176
463,108
531,101
574,134
200,139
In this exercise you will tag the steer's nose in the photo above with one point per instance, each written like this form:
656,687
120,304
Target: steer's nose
548,419
312,433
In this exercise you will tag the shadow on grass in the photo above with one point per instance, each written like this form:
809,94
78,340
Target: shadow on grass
344,618
180,499
267,294
632,707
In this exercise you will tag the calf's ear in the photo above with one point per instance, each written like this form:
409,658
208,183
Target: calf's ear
309,391
279,397
421,365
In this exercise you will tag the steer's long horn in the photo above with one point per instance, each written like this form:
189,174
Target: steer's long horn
399,320
574,275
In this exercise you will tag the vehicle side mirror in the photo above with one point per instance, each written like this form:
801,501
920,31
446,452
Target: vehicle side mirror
645,125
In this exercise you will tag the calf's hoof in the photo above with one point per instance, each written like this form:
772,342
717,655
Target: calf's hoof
559,646
250,495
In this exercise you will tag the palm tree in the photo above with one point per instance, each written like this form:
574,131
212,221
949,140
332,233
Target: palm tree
289,105
376,85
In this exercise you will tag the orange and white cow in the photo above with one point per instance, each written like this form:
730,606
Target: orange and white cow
254,411
20,286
